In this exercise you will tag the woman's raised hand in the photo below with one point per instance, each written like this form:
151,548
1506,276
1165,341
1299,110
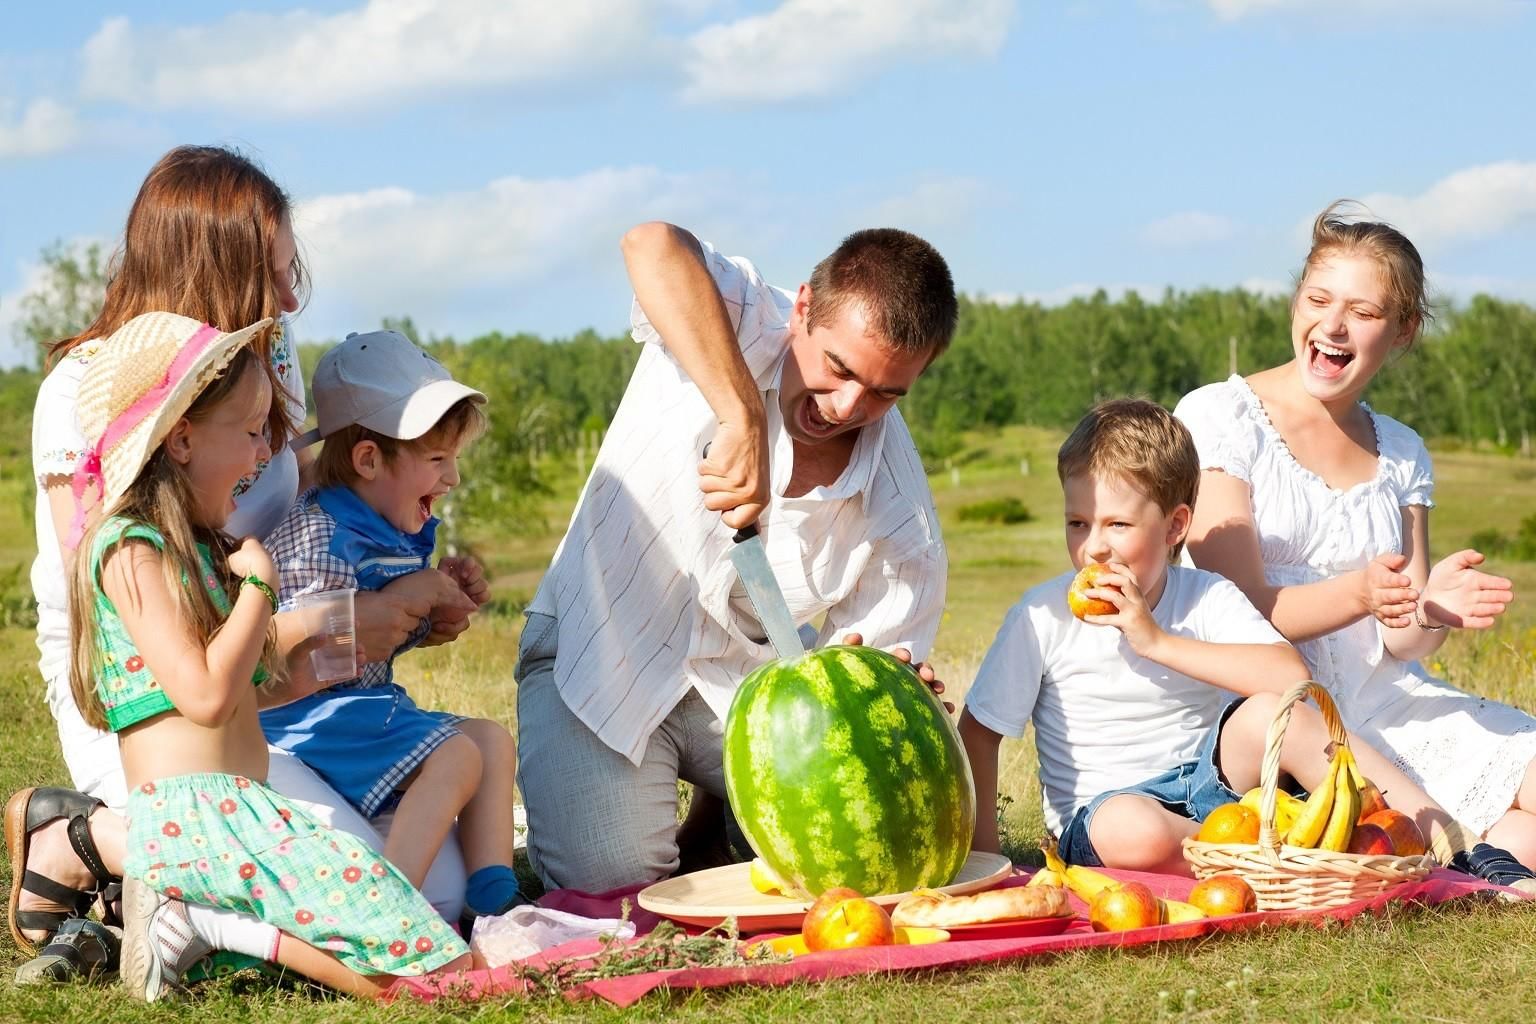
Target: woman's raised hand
1461,595
1389,593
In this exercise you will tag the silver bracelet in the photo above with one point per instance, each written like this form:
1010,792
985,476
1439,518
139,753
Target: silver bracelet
1418,617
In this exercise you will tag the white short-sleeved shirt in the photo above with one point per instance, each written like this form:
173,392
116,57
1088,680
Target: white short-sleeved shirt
1106,718
641,584
1469,753
57,444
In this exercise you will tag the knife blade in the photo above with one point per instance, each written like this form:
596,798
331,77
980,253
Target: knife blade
767,599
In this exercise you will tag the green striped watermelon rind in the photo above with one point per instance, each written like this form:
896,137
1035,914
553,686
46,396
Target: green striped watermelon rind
822,817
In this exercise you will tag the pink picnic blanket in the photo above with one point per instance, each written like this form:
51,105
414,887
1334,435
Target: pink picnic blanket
1440,886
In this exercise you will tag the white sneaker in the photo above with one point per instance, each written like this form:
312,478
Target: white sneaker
158,942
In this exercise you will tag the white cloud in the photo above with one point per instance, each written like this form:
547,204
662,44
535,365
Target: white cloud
393,251
1064,294
298,62
1477,202
1191,227
1461,287
1235,10
1266,286
938,204
43,127
806,48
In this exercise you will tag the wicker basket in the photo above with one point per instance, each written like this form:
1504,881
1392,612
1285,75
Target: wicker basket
1292,877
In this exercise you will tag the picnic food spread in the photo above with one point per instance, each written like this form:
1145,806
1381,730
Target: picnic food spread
843,769
931,909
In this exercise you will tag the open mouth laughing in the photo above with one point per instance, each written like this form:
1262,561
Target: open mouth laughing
1327,361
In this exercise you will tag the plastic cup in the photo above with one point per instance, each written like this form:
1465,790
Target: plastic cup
328,618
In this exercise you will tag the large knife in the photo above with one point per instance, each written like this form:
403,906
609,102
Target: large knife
751,563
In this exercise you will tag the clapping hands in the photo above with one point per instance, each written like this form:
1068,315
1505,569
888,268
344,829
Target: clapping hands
1460,595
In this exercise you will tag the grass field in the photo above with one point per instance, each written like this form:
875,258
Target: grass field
1465,963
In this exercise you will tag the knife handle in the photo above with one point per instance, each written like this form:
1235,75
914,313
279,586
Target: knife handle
745,533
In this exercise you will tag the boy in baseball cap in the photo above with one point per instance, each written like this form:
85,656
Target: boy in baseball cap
394,422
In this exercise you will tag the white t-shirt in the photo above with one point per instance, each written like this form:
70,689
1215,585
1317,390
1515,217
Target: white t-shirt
57,444
642,582
1106,718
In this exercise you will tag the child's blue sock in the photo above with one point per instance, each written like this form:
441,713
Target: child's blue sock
492,890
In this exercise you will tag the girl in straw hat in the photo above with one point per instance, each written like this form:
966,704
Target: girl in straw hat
209,236
171,635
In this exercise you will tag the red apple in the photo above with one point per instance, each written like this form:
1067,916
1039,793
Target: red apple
821,907
1407,840
1371,800
1123,907
850,922
1224,894
1370,839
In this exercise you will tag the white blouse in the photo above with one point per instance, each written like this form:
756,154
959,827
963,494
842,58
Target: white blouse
1309,531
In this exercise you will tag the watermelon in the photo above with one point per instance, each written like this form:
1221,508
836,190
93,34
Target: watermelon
844,769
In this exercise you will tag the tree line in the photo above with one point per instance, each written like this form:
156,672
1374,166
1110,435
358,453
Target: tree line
1471,378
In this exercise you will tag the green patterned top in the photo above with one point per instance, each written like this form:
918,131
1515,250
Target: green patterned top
128,692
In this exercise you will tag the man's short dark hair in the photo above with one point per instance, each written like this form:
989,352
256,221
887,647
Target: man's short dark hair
901,283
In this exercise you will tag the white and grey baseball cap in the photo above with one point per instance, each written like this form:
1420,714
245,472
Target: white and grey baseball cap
381,381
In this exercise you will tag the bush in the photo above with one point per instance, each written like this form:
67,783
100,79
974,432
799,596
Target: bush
1522,548
998,510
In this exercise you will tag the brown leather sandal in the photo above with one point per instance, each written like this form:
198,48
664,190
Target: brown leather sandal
25,813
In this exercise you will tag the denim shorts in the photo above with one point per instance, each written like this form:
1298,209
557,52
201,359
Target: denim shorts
1193,789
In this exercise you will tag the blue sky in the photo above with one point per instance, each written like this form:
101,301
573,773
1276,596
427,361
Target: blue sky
472,163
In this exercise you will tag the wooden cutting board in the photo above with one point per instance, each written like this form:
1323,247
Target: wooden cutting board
705,898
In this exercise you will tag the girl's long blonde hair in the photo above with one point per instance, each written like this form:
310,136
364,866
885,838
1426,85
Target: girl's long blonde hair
160,496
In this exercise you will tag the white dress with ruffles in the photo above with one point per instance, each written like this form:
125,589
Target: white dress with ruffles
1469,753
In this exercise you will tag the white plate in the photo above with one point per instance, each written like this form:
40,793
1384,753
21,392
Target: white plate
705,898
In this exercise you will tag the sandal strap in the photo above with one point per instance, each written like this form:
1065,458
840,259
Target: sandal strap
57,892
85,848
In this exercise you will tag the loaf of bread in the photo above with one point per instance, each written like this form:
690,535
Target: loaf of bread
926,908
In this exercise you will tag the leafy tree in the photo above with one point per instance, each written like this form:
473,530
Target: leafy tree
74,285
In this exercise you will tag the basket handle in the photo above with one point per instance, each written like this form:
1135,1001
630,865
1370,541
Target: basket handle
1269,768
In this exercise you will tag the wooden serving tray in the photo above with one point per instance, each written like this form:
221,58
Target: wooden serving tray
705,898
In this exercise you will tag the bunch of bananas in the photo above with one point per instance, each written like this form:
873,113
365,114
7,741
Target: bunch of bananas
1327,820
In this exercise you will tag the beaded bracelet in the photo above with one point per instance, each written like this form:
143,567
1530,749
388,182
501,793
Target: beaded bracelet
263,586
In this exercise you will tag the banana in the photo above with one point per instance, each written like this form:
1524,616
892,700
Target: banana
1085,882
1045,876
1308,827
1178,912
1346,807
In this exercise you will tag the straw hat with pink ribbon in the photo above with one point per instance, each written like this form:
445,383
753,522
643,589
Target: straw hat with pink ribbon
141,381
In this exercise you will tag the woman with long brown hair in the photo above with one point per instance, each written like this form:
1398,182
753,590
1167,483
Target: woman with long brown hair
209,236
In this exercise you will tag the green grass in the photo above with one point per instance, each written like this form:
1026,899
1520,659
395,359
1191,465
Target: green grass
1458,963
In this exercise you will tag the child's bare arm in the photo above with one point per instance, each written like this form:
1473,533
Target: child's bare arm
981,746
1241,668
1244,669
207,684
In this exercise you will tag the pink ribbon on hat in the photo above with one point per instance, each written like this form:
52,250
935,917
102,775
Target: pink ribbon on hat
88,468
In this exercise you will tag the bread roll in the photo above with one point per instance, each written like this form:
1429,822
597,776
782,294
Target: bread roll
926,908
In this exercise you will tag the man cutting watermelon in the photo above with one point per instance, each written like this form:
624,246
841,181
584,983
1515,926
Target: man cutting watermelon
749,405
